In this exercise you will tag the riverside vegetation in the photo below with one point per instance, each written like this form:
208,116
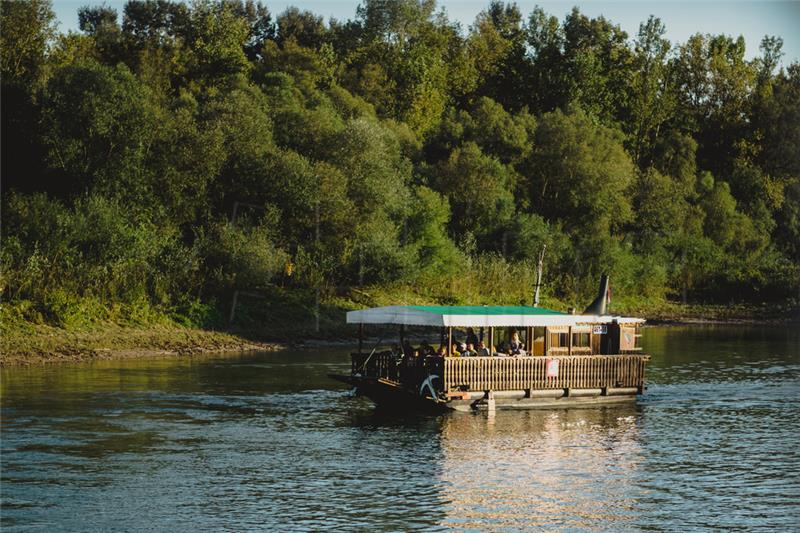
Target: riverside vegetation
161,160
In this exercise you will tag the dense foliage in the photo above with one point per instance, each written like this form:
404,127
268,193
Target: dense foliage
161,159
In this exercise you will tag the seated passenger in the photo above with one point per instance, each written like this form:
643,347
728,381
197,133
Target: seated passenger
442,352
455,351
483,351
408,350
470,351
426,349
471,337
515,347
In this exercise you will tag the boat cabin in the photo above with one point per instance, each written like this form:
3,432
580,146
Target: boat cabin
555,358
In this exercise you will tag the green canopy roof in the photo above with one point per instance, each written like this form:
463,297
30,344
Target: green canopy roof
475,316
484,310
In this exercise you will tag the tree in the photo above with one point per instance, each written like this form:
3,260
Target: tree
303,27
579,174
427,233
548,81
479,190
714,83
497,47
599,65
27,30
652,95
98,128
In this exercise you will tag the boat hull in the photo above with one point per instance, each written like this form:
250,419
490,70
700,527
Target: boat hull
392,395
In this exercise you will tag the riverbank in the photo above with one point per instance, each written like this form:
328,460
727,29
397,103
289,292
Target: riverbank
26,343
38,344
676,313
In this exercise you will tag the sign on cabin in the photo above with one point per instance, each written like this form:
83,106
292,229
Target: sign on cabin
627,339
600,330
552,368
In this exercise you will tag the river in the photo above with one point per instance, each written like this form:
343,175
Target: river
265,441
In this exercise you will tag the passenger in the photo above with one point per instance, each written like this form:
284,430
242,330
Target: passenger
470,351
471,337
515,347
442,352
408,350
483,351
426,349
455,351
397,353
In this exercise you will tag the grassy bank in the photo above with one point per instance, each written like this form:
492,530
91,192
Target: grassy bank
288,316
39,343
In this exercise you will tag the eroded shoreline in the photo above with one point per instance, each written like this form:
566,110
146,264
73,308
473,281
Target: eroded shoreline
49,345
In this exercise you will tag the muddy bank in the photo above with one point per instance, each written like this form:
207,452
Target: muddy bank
39,344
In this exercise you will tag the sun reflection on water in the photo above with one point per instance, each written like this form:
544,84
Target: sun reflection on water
541,469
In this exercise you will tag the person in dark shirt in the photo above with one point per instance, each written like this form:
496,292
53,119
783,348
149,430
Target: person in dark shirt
471,337
426,349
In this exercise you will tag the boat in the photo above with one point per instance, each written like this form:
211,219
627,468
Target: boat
568,360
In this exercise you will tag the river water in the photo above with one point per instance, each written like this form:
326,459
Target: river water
266,441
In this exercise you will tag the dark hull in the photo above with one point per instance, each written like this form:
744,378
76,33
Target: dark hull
393,396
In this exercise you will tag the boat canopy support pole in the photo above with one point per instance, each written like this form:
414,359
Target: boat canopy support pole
546,341
402,343
360,337
569,350
491,339
529,339
449,341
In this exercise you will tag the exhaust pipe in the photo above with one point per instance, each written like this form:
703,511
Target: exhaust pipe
600,304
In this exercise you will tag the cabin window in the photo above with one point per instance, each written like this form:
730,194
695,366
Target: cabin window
580,340
559,340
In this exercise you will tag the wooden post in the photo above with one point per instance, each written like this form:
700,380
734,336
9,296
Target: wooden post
449,341
569,334
360,337
546,341
491,340
402,345
538,276
233,304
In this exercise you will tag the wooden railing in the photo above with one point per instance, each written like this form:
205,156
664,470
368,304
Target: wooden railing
377,365
410,371
521,373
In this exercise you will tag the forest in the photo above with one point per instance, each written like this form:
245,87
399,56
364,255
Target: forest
163,159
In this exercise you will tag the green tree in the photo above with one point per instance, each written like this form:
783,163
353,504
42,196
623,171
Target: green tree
427,233
579,174
98,128
478,188
652,98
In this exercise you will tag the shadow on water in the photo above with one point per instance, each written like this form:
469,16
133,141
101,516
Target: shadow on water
267,441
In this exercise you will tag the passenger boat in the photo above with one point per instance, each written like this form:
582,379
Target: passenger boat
583,359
